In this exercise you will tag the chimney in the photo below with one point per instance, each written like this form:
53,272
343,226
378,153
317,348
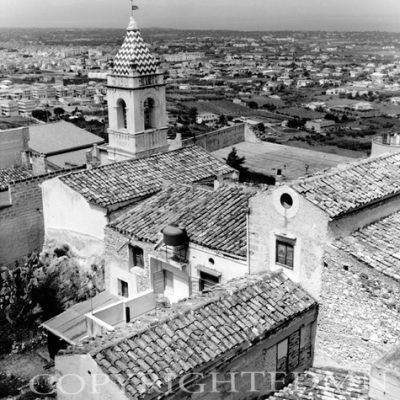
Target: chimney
39,164
93,157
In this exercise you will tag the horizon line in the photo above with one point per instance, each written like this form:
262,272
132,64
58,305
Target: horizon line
205,29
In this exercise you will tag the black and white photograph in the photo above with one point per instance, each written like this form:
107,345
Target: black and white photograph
199,200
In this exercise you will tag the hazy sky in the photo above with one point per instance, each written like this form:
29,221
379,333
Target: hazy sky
206,14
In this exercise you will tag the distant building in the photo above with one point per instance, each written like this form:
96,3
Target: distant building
8,108
59,145
321,126
207,118
385,143
25,107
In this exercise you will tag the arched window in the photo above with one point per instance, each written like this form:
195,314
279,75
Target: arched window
149,120
122,121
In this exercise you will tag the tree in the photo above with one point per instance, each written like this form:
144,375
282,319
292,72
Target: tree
43,115
261,127
252,104
193,115
222,120
234,161
58,111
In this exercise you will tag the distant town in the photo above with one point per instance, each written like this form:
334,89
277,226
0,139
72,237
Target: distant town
326,91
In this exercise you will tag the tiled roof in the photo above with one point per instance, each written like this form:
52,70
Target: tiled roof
193,333
134,56
347,187
326,384
132,180
8,175
377,245
214,219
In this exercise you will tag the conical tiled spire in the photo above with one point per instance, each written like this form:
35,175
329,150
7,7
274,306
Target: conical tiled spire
134,56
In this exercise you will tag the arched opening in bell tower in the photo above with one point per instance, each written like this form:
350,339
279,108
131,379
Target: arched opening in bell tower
122,121
149,114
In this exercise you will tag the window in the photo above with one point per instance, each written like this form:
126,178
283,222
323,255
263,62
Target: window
207,281
168,280
136,256
286,201
123,288
122,122
149,113
285,252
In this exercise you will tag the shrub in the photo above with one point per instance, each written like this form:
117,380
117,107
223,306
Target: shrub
9,385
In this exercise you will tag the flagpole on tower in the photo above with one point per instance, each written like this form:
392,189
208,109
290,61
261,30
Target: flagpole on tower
132,24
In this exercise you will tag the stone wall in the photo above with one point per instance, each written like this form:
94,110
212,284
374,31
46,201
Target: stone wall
224,137
22,223
117,261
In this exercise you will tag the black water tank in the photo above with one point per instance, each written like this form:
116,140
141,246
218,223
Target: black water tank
174,236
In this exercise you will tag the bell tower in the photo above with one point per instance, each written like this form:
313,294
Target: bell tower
136,100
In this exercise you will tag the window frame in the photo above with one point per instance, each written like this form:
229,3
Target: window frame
135,256
217,278
287,243
121,286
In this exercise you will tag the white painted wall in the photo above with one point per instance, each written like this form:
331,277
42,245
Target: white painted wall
80,378
228,267
304,222
70,218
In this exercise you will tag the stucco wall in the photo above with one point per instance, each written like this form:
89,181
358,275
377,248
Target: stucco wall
228,268
69,218
306,224
80,378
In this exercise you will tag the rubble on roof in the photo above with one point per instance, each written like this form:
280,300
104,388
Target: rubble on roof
359,319
327,384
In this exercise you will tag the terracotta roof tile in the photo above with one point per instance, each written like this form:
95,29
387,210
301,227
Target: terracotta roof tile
129,181
8,175
214,219
377,245
349,186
